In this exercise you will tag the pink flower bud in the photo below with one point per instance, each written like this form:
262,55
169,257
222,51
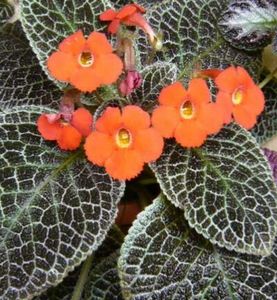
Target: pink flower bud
132,81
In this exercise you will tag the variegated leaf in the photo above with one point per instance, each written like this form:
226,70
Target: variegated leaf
225,188
191,37
6,12
103,280
22,81
266,126
64,290
249,24
155,77
56,207
163,258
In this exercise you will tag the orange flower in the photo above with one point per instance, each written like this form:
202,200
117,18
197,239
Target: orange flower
123,142
127,15
67,134
188,115
131,15
84,63
239,96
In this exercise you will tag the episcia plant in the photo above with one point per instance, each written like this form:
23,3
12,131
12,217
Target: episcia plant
110,108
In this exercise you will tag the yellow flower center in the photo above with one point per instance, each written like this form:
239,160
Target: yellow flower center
237,96
187,110
123,138
86,59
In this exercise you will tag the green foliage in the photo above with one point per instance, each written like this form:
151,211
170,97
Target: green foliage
163,258
225,189
249,24
22,81
103,281
266,126
56,208
155,77
6,12
191,36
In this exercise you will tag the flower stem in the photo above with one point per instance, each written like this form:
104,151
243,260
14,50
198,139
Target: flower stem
82,279
267,78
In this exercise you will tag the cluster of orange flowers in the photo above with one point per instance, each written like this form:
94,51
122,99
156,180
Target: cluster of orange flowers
123,140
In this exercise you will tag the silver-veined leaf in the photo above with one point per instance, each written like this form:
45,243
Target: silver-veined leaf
266,126
163,258
56,207
22,81
249,24
155,77
191,37
225,188
103,280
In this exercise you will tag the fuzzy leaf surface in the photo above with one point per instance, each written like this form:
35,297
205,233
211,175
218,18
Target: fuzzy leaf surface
191,37
103,280
47,23
22,81
64,290
249,24
163,258
225,188
266,126
6,12
155,77
56,208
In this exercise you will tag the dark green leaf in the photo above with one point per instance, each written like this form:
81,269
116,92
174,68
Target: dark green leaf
56,207
191,36
163,258
249,24
64,290
103,280
266,126
22,81
155,77
6,12
47,23
225,188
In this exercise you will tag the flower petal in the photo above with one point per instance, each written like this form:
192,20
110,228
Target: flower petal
190,134
244,78
85,80
227,80
135,118
173,95
149,143
108,68
243,117
73,44
224,100
210,117
99,147
62,65
98,44
198,91
165,119
124,164
70,138
254,99
126,11
114,26
110,121
49,131
82,121
108,15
